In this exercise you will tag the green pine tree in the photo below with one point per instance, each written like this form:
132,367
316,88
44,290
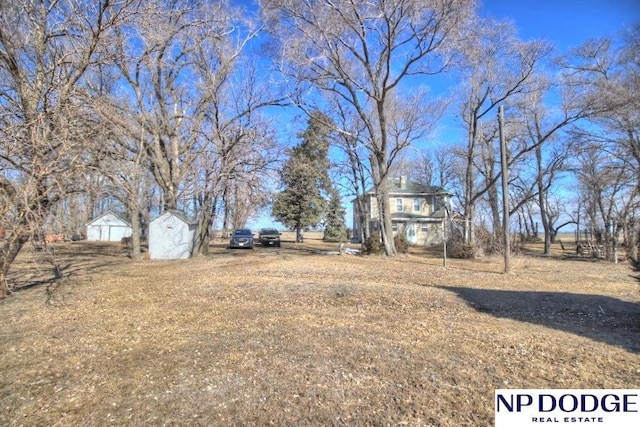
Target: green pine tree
336,229
305,178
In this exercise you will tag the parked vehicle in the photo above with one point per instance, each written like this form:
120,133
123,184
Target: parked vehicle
241,238
269,237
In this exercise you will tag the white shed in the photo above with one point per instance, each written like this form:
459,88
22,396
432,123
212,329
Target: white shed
171,236
108,227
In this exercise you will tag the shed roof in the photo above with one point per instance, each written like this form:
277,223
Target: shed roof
182,216
110,212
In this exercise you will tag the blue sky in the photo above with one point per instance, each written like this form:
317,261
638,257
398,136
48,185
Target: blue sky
566,23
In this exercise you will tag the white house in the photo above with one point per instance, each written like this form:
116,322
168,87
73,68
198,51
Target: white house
108,227
171,236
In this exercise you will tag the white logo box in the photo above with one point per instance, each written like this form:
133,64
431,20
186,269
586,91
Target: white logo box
567,407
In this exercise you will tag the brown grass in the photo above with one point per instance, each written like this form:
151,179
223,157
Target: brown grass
292,337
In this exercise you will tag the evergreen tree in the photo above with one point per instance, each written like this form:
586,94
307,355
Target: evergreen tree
305,178
336,229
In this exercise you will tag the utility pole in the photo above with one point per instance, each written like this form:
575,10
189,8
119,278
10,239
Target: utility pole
505,192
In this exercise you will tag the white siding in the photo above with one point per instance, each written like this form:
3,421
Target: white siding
170,237
373,209
108,228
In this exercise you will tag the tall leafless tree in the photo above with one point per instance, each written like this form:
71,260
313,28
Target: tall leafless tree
609,192
544,127
161,85
610,162
237,149
192,98
363,53
46,51
353,168
122,160
497,68
233,170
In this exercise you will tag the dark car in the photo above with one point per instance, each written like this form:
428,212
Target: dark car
241,238
269,237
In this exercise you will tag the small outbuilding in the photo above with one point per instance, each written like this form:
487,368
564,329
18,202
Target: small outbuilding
171,236
108,227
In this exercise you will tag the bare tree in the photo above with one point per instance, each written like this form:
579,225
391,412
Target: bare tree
497,68
192,100
237,149
625,125
162,85
352,166
362,53
535,124
610,162
122,160
543,133
610,194
233,171
46,51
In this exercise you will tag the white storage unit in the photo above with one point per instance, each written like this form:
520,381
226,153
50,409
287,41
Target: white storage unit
171,236
108,227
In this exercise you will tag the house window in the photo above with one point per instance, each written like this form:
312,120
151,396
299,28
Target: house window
436,203
416,205
394,227
399,205
424,227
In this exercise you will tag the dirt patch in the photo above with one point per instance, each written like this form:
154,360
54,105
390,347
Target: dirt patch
287,336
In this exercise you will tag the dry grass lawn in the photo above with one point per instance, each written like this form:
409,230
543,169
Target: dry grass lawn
291,337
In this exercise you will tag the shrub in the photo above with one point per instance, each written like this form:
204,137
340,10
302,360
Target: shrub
334,235
373,245
457,249
400,241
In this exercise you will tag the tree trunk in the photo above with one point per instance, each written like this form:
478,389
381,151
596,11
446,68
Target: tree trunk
520,233
8,252
614,242
134,216
386,227
632,240
634,244
299,236
532,225
205,219
225,212
468,217
202,239
362,213
381,186
4,285
360,189
469,179
610,241
542,202
493,198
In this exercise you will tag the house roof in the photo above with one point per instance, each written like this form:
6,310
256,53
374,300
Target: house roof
410,188
406,216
